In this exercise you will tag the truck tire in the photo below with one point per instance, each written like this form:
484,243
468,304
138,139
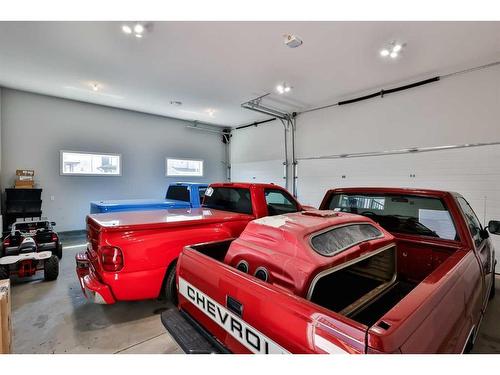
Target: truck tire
4,273
492,291
170,287
51,268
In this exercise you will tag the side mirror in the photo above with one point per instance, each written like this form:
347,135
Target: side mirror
494,227
53,223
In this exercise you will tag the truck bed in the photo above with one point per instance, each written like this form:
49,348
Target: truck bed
366,306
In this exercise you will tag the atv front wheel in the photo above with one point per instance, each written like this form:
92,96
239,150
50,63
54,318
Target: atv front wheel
51,268
4,273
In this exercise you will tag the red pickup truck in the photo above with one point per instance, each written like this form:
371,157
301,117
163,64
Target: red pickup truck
377,270
132,255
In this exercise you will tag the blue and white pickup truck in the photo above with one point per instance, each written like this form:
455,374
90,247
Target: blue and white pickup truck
179,195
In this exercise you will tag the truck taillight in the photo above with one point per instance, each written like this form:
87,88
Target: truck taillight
6,242
54,237
112,258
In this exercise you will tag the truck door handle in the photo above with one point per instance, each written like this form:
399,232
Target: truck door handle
234,306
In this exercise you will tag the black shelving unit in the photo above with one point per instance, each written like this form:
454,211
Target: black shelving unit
21,203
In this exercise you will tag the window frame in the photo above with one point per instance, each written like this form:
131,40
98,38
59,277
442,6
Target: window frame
466,219
332,228
61,164
286,194
457,238
184,159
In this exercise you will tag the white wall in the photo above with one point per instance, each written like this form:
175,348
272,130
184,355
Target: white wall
36,127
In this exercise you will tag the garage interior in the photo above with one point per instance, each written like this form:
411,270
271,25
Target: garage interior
308,106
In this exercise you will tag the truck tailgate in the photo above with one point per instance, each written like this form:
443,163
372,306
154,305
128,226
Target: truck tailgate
243,313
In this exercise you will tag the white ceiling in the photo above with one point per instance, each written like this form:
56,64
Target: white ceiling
219,65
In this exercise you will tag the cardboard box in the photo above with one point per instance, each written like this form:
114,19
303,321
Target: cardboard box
25,172
5,318
24,178
24,184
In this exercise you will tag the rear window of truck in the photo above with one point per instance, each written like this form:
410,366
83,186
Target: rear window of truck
400,213
228,199
335,240
178,193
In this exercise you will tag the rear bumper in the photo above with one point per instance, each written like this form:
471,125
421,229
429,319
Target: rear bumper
12,259
94,290
191,337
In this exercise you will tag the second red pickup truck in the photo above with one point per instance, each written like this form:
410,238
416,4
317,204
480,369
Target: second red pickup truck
376,271
132,255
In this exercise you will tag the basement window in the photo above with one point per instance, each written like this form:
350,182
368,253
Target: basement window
183,167
74,163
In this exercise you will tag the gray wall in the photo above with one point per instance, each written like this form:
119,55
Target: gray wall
36,127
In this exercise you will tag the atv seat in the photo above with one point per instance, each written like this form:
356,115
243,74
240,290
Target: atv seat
27,246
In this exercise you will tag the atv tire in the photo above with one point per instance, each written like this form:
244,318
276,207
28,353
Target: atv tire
51,268
492,291
170,287
4,273
59,251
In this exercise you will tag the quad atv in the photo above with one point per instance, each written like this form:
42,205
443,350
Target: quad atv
31,246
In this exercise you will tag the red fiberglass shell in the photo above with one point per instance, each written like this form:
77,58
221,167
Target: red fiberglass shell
282,245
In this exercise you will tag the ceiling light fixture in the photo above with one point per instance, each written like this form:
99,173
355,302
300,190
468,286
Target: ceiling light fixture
392,50
283,88
292,41
137,29
95,86
385,52
210,112
127,29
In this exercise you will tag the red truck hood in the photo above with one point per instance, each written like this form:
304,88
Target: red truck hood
162,218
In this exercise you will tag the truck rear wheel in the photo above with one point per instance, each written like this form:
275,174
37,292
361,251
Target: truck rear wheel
4,273
170,287
51,268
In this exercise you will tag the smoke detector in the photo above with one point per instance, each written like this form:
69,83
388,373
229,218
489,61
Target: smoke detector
292,41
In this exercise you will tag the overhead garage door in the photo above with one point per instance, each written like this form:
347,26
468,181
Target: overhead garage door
268,171
473,172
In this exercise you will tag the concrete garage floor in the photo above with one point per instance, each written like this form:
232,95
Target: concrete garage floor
54,317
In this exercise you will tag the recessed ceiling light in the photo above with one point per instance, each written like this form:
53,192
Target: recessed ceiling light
392,50
95,86
210,112
283,88
138,28
127,29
